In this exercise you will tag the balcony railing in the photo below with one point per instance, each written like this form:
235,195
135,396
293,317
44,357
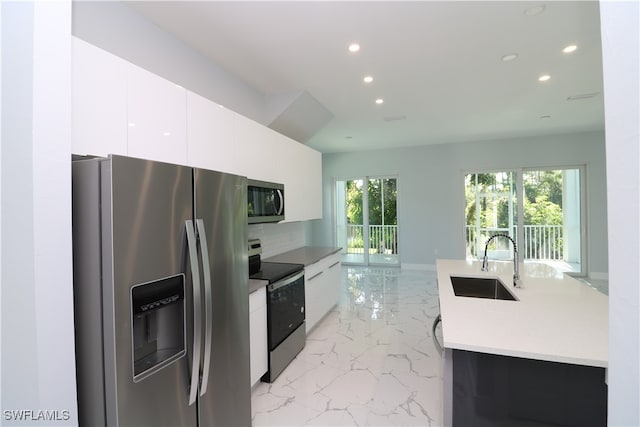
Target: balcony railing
383,239
541,242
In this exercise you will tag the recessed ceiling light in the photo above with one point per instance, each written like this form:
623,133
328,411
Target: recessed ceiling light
509,57
570,48
535,10
354,47
544,78
367,79
166,133
394,118
379,101
546,116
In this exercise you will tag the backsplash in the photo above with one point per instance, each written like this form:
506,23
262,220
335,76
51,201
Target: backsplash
278,238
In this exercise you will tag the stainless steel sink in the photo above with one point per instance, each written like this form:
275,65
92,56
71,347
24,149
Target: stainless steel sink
481,287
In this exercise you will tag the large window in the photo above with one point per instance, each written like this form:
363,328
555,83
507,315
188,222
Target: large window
541,209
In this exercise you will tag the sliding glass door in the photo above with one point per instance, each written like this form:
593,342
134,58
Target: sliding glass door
491,208
350,220
366,220
553,218
541,209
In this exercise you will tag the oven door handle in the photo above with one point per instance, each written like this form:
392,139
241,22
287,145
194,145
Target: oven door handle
286,281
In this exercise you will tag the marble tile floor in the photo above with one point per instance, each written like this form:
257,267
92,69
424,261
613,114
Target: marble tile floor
369,362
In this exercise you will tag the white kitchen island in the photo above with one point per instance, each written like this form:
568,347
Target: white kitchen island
548,342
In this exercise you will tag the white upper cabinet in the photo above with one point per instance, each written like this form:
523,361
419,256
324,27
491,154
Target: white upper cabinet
120,108
267,155
210,135
303,182
257,150
99,101
156,117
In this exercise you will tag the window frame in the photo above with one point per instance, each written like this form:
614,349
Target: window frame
519,173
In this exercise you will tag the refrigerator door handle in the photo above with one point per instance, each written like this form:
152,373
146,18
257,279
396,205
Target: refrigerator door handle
208,314
197,313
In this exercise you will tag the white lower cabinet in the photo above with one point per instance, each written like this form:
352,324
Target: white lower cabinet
258,334
322,289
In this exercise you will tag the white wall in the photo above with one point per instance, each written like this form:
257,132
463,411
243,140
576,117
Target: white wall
431,188
38,364
620,47
279,238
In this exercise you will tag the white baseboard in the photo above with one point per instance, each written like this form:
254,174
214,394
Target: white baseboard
423,267
598,276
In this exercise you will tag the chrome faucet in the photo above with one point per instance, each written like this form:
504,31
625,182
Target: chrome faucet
516,270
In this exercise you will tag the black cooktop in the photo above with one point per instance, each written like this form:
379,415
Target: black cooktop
274,271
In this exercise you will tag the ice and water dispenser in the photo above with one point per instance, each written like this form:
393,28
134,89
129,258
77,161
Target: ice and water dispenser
158,323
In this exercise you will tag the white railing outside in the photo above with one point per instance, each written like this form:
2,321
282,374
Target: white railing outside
541,242
383,239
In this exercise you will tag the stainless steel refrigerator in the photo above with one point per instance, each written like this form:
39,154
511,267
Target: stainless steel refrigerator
161,294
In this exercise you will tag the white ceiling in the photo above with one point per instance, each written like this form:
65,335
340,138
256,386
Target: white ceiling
437,65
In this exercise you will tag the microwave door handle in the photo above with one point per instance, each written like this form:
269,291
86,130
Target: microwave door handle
197,315
281,197
208,299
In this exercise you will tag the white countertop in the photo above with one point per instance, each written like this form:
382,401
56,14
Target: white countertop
557,317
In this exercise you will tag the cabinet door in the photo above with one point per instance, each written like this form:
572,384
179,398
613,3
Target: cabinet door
156,115
99,101
258,334
210,135
322,288
334,280
314,294
303,181
259,156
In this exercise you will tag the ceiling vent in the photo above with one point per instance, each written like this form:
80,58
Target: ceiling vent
394,118
582,96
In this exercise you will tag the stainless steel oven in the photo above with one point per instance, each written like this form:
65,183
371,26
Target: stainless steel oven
286,329
285,308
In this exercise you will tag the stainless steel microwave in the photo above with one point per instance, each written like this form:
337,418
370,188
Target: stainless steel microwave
265,201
